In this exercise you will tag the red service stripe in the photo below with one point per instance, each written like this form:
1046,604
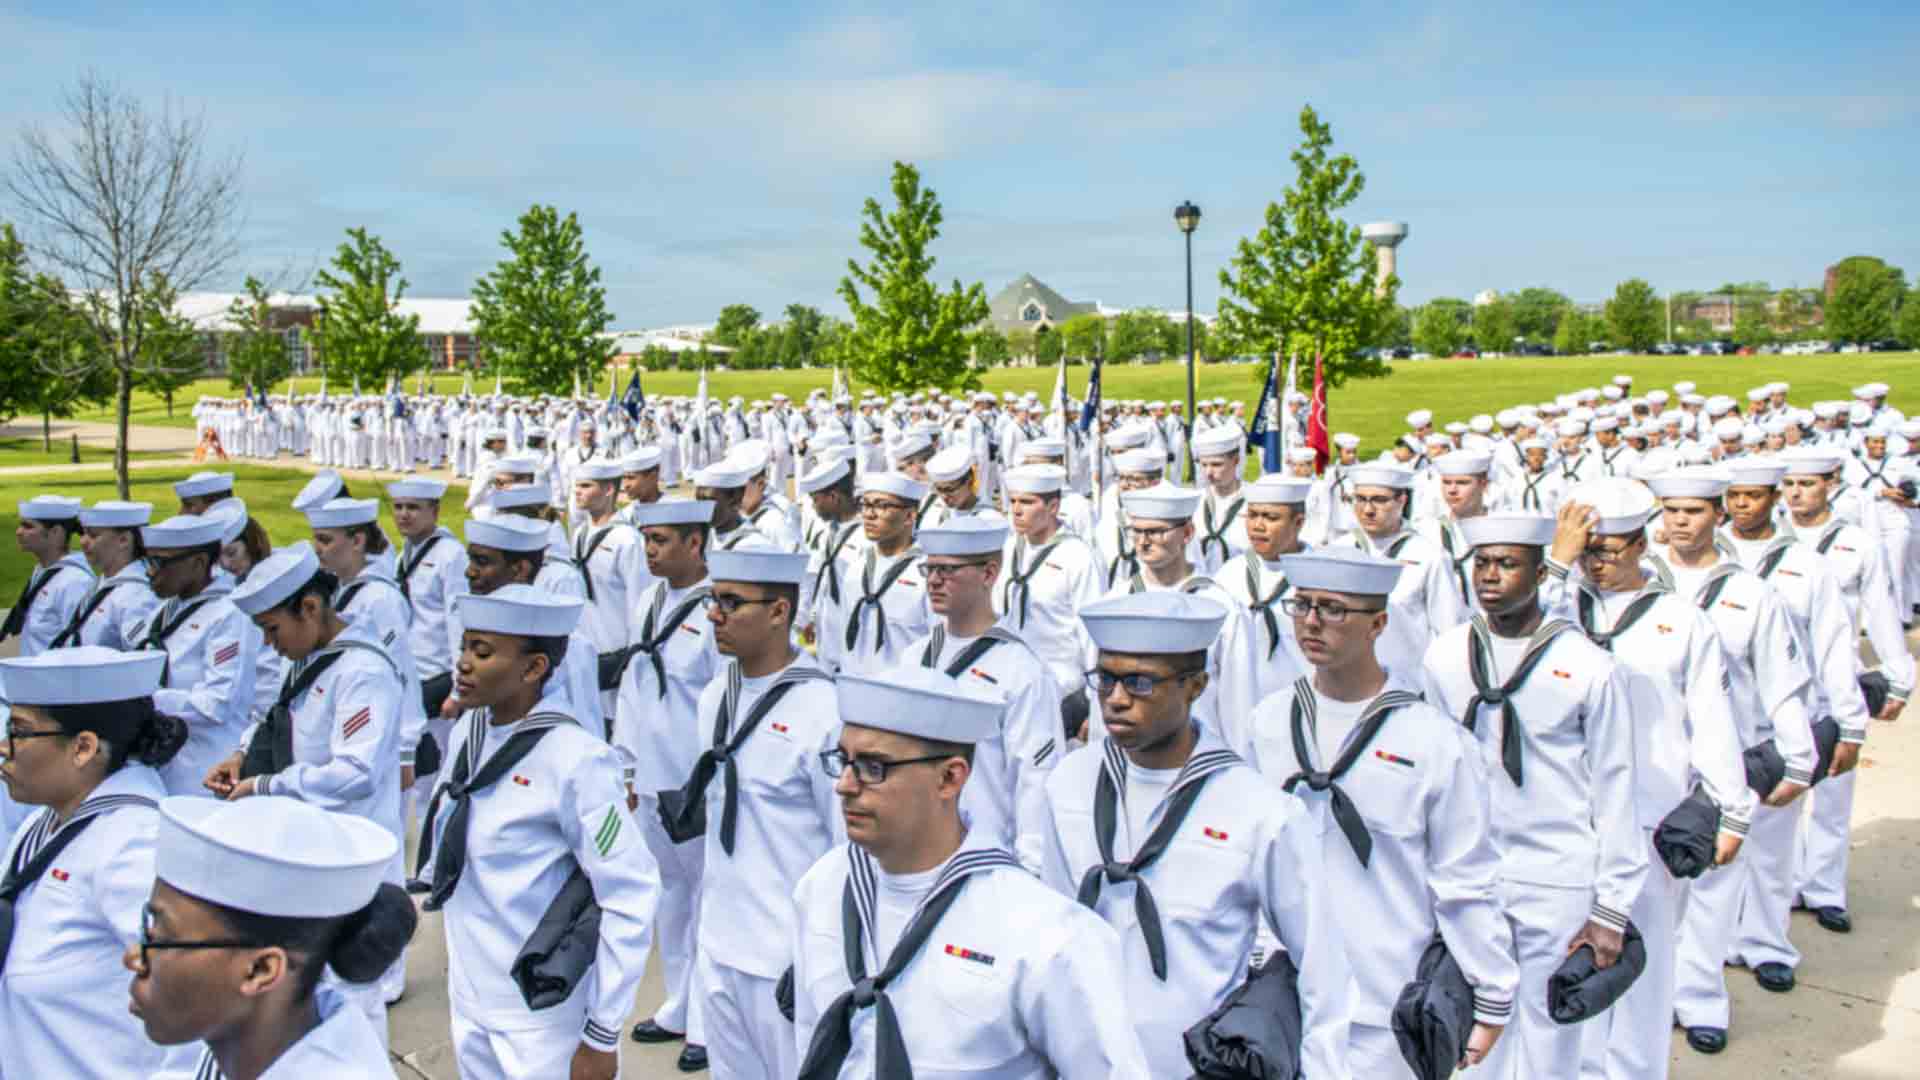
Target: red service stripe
226,654
357,722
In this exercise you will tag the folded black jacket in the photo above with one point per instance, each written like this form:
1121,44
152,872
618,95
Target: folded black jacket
1255,1034
562,946
1685,838
1433,1019
1578,990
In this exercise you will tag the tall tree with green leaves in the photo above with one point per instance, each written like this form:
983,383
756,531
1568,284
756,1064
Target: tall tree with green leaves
990,348
541,313
256,351
173,351
1636,318
1866,293
1085,336
1440,326
1047,346
359,332
911,333
1494,325
736,326
805,325
1576,333
1906,326
1305,282
1537,312
25,316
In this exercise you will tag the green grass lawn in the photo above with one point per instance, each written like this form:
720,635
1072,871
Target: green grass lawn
268,493
1374,409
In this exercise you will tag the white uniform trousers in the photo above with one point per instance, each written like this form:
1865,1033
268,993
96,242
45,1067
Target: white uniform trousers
747,1038
676,927
481,1052
1544,919
1373,1053
1824,836
1631,1041
1767,905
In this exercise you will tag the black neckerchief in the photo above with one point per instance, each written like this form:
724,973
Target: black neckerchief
1587,604
1180,799
1305,717
1264,605
1480,669
1213,535
691,805
1458,561
17,618
837,539
977,648
451,859
869,595
163,628
410,561
1530,498
71,635
585,543
653,641
1022,579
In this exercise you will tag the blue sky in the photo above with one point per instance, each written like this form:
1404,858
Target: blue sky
719,153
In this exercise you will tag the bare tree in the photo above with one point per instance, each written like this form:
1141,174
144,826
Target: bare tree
117,197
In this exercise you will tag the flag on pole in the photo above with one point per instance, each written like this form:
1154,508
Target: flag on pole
466,386
1284,407
839,382
635,399
496,383
1265,436
1317,436
700,402
576,384
1090,410
356,384
323,384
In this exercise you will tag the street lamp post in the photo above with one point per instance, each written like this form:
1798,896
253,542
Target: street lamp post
1187,216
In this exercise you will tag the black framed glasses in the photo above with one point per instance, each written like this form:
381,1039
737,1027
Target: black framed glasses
883,506
1607,556
946,570
870,772
15,735
731,605
1330,613
1153,535
161,562
1101,682
147,944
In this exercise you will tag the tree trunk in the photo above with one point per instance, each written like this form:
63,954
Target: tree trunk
169,396
46,430
123,406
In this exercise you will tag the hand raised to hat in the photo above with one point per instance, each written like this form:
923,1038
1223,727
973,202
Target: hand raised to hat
1605,940
1480,1043
1571,532
591,1064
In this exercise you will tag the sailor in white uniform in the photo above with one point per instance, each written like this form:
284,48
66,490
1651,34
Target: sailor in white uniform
832,527
639,480
61,579
983,970
82,743
1182,847
530,815
212,647
327,486
955,480
432,571
1274,515
1401,801
121,598
611,560
766,510
724,484
198,493
1463,481
1223,503
1047,574
280,892
882,606
1426,602
1549,710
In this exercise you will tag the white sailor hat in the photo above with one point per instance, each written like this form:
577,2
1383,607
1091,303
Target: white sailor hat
1276,488
417,487
1908,430
984,397
1463,463
1774,425
1621,505
1758,393
326,484
925,703
1161,502
1673,419
642,460
967,534
1658,397
1859,413
233,512
1533,530
824,475
493,433
1129,437
1347,440
1612,393
1719,405
82,675
277,577
1808,461
910,444
721,475
1754,472
1218,442
342,513
899,485
1050,448
183,531
506,532
538,432
1535,443
1341,569
599,470
1419,418
1158,621
51,508
116,515
752,455
1727,428
1693,399
1301,455
1397,477
1606,423
271,855
1691,483
515,496
760,566
673,512
202,484
1753,435
1569,428
520,610
1140,461
1877,389
1036,479
1685,387
950,464
1481,423
1453,428
521,464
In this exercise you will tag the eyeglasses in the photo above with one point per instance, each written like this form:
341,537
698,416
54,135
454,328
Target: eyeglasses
147,944
883,506
160,562
1152,536
1606,555
1329,612
1375,500
1101,682
731,605
869,771
14,735
947,570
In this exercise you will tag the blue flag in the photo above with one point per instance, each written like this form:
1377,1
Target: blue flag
1090,411
1265,434
635,398
259,396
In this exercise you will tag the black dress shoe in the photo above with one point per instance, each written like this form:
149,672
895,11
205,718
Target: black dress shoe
1707,1040
646,1031
1775,977
1835,919
417,886
692,1059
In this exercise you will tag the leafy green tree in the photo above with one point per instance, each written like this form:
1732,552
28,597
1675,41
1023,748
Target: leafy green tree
1085,336
990,348
359,331
25,318
1576,333
1135,334
805,325
1440,327
1494,325
1752,325
72,367
1399,331
1866,292
1020,342
736,326
1047,346
1537,312
256,351
1305,281
173,352
1636,318
541,313
911,334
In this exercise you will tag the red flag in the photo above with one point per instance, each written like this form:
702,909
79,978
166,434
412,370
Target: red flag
1317,436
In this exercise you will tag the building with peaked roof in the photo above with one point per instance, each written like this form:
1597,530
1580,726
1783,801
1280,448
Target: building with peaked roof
1028,303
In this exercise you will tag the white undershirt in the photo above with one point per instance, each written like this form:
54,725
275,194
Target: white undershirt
1687,580
1146,788
897,898
1332,721
1507,654
1750,551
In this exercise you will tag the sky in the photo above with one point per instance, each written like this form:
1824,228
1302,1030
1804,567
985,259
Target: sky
719,153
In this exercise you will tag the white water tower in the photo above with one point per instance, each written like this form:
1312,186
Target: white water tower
1385,236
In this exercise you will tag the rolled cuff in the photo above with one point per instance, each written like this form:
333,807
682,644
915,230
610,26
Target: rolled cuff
1491,1008
600,1037
1609,917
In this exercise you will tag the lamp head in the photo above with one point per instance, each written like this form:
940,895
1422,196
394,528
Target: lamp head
1187,216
